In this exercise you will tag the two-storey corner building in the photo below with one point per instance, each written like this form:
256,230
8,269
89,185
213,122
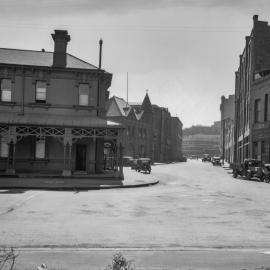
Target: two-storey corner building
227,127
252,84
52,112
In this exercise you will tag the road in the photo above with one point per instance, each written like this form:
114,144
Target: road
195,207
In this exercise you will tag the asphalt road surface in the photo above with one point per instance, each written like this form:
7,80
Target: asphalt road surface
196,206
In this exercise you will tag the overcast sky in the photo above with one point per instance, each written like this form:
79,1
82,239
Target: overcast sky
185,52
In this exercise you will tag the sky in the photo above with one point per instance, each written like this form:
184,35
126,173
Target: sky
183,52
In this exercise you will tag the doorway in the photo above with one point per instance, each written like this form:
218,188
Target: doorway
80,157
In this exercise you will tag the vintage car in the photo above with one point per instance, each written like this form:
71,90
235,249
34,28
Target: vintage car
266,173
127,161
206,158
249,168
144,165
216,161
134,164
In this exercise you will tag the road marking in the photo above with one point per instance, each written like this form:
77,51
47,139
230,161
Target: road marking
18,204
266,252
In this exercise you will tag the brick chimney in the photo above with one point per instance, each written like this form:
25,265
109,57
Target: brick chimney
61,38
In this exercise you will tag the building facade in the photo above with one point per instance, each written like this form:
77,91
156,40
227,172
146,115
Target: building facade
52,112
227,128
252,81
150,129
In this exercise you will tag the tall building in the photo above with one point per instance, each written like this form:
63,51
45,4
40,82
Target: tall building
52,112
227,128
252,90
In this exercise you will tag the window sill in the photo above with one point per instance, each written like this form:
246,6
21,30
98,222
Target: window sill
39,105
7,103
82,107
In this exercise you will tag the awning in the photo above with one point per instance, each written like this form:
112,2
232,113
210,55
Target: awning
8,118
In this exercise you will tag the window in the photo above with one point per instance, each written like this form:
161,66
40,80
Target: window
40,148
84,94
265,107
6,90
3,147
257,110
41,92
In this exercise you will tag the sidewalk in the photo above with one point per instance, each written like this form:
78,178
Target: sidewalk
131,179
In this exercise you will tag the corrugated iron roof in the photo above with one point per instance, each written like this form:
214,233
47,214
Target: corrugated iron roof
39,58
56,120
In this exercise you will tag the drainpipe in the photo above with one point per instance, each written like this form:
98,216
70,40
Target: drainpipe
98,97
99,68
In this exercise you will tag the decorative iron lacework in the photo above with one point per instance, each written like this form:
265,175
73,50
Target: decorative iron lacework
4,130
40,131
92,132
22,131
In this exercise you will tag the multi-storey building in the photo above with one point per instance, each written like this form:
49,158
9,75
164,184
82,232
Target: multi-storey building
176,140
227,128
137,120
52,112
252,90
150,129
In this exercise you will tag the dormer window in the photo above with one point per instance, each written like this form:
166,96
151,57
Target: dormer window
5,90
84,94
41,92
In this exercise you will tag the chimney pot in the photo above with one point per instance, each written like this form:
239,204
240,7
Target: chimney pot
61,38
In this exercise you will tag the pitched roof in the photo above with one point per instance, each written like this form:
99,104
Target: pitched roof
122,104
39,58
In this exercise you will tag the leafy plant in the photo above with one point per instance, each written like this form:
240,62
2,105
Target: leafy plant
119,262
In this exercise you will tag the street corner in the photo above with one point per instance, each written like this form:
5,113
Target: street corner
138,179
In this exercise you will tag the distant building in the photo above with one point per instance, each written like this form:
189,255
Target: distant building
150,129
252,90
227,128
200,140
52,112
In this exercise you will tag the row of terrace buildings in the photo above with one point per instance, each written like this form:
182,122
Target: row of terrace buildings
245,116
150,131
56,117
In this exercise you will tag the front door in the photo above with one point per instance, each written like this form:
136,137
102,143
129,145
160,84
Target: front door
81,157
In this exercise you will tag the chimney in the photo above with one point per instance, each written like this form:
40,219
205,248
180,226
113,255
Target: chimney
61,38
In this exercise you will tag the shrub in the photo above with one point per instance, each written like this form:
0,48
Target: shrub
120,263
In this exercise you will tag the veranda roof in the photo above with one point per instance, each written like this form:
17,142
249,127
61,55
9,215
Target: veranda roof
57,120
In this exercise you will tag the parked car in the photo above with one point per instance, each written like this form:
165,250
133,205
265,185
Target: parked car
206,158
250,168
127,161
216,161
266,173
144,165
134,164
183,159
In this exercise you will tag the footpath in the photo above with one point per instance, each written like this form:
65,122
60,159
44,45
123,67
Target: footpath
132,179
